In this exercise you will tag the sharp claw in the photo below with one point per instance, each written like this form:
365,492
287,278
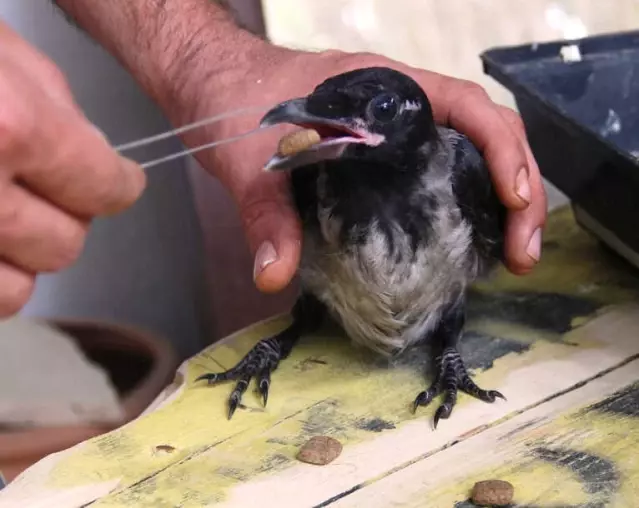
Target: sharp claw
437,417
442,412
264,391
418,401
232,407
423,399
211,378
490,396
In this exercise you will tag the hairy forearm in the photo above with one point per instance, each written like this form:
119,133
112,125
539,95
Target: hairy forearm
171,46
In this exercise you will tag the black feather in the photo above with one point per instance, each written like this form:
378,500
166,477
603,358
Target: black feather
478,200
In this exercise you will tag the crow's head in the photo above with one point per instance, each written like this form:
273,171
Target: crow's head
375,113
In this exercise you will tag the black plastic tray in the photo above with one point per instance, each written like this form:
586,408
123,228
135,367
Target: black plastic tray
582,121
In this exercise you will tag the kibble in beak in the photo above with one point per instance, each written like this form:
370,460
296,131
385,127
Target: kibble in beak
321,139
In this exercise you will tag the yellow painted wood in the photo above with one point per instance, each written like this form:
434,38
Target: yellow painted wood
531,338
578,450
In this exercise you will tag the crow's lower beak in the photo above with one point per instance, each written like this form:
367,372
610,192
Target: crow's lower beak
335,135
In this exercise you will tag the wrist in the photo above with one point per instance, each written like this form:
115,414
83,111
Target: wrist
215,80
241,71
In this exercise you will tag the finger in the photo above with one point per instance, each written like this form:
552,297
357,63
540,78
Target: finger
36,236
273,232
16,287
517,125
470,110
524,229
75,168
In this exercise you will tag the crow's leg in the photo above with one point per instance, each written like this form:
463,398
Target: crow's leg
266,355
450,372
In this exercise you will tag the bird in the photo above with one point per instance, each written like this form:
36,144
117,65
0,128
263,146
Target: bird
399,218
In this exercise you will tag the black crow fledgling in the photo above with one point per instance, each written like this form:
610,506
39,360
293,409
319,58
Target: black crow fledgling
399,217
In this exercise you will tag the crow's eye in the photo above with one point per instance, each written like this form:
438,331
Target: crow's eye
383,108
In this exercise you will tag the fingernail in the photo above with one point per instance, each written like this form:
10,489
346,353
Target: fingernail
522,187
265,256
534,245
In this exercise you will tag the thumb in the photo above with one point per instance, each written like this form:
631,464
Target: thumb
272,230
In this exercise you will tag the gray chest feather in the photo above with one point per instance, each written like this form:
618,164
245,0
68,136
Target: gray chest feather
390,299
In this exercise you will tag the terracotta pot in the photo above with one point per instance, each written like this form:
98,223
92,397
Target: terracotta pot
139,364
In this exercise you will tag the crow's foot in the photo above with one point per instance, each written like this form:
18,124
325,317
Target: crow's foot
260,362
452,376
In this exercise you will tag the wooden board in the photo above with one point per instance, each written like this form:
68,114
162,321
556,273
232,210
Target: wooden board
578,449
550,342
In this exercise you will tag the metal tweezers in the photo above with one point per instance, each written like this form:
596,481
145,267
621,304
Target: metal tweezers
195,125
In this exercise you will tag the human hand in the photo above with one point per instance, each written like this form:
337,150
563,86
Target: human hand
270,222
57,172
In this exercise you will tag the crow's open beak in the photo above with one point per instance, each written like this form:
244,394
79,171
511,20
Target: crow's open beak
335,135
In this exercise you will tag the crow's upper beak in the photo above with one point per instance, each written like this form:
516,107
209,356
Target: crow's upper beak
335,134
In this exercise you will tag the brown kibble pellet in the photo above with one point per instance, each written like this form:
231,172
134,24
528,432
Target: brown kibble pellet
492,493
320,450
298,141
